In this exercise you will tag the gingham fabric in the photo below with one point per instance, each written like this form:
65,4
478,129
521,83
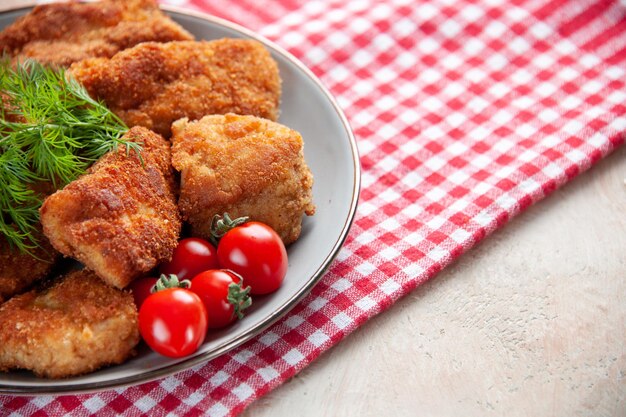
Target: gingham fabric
465,113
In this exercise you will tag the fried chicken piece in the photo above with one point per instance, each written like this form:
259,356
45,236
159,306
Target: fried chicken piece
120,219
76,326
19,270
63,33
243,165
153,84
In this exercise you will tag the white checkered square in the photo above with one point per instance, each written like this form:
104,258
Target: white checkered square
293,357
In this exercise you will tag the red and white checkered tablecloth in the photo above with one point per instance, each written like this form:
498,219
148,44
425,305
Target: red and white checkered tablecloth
465,113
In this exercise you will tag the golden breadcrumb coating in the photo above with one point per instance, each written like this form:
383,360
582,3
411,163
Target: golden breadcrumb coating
63,33
120,219
19,270
76,326
243,165
154,84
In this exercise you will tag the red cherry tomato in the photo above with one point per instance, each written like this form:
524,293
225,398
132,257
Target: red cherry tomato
173,322
191,256
140,289
221,292
256,252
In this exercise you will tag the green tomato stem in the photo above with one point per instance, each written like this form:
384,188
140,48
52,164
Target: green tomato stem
220,225
164,282
239,298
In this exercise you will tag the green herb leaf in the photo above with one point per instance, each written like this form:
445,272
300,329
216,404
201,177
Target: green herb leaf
50,130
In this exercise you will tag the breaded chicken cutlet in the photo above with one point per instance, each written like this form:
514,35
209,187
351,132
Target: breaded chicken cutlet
19,270
63,33
243,165
119,219
78,325
154,84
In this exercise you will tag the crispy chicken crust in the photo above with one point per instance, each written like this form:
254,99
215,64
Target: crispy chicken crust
120,219
153,84
243,165
19,270
63,33
77,326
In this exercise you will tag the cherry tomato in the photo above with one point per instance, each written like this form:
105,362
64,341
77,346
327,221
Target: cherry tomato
221,292
191,256
256,252
141,289
173,322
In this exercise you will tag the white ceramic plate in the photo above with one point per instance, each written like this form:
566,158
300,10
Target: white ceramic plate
331,153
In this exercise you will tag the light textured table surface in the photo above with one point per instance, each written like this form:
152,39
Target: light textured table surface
531,322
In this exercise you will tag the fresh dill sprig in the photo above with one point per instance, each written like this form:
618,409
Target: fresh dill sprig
18,203
51,130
